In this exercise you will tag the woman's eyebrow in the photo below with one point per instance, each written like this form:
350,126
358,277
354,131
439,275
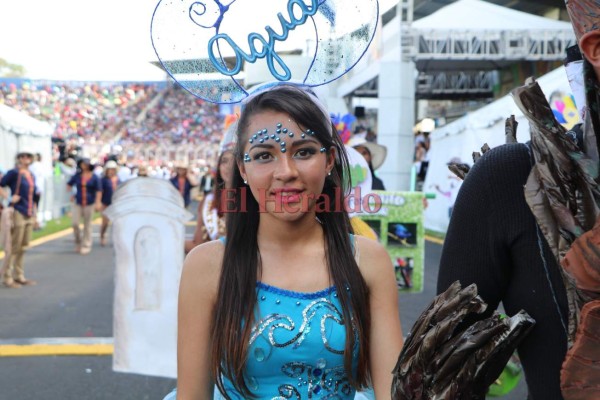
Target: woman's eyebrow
261,146
305,141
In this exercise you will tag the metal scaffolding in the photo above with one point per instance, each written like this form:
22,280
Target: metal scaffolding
544,45
456,84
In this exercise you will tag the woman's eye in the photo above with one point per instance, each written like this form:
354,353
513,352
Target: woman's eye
264,156
304,153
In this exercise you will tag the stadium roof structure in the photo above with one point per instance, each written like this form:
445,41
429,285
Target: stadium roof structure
458,48
188,64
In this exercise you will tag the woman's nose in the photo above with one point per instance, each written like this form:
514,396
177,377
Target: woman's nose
286,168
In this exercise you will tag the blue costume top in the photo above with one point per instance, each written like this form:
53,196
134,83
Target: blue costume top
296,347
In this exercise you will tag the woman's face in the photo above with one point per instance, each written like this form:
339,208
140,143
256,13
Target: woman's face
286,176
364,152
226,165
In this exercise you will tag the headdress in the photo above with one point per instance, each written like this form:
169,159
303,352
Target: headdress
585,15
201,45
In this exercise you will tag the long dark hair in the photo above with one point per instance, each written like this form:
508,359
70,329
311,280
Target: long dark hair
219,186
234,317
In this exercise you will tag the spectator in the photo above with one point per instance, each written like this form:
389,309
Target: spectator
184,182
375,155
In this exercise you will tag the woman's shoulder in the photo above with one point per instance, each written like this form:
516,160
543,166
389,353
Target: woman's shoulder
202,267
373,259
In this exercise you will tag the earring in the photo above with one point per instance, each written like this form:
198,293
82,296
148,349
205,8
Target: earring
329,173
245,182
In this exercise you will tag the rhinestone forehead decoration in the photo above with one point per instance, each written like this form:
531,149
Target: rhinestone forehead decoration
279,136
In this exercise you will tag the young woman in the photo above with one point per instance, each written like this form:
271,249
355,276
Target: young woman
290,304
87,200
210,224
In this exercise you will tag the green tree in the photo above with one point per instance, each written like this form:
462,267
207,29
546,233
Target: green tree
9,70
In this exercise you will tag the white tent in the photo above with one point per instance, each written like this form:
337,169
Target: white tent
468,15
486,125
19,131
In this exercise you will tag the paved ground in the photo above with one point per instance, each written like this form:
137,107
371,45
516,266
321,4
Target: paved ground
73,298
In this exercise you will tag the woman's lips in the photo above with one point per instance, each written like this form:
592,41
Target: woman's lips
289,195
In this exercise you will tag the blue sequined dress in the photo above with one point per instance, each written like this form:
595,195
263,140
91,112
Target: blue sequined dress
296,347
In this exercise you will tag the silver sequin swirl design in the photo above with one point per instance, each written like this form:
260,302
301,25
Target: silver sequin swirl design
287,323
288,392
333,382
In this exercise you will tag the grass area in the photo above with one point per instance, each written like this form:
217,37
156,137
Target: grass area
52,226
56,225
435,234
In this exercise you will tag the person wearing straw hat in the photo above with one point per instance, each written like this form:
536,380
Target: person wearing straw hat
22,186
374,153
184,181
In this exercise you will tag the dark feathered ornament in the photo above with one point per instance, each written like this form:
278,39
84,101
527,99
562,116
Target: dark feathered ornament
446,358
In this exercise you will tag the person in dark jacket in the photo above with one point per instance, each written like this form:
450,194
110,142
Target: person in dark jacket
184,182
22,186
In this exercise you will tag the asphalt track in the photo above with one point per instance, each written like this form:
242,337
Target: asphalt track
56,337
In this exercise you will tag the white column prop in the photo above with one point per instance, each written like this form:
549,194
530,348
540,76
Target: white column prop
148,235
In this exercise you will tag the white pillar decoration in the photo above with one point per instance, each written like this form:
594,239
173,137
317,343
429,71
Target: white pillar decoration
148,234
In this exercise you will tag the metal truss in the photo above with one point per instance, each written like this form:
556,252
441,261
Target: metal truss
456,85
542,45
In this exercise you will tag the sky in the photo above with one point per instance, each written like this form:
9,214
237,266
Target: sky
84,40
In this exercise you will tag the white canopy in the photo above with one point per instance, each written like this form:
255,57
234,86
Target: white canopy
19,131
483,16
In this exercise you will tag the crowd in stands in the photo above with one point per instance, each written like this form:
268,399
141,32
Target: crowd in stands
136,118
79,110
177,117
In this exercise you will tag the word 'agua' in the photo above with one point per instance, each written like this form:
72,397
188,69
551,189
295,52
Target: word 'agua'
268,46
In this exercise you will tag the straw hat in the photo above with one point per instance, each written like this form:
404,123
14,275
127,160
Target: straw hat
25,152
181,164
111,164
378,152
142,170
